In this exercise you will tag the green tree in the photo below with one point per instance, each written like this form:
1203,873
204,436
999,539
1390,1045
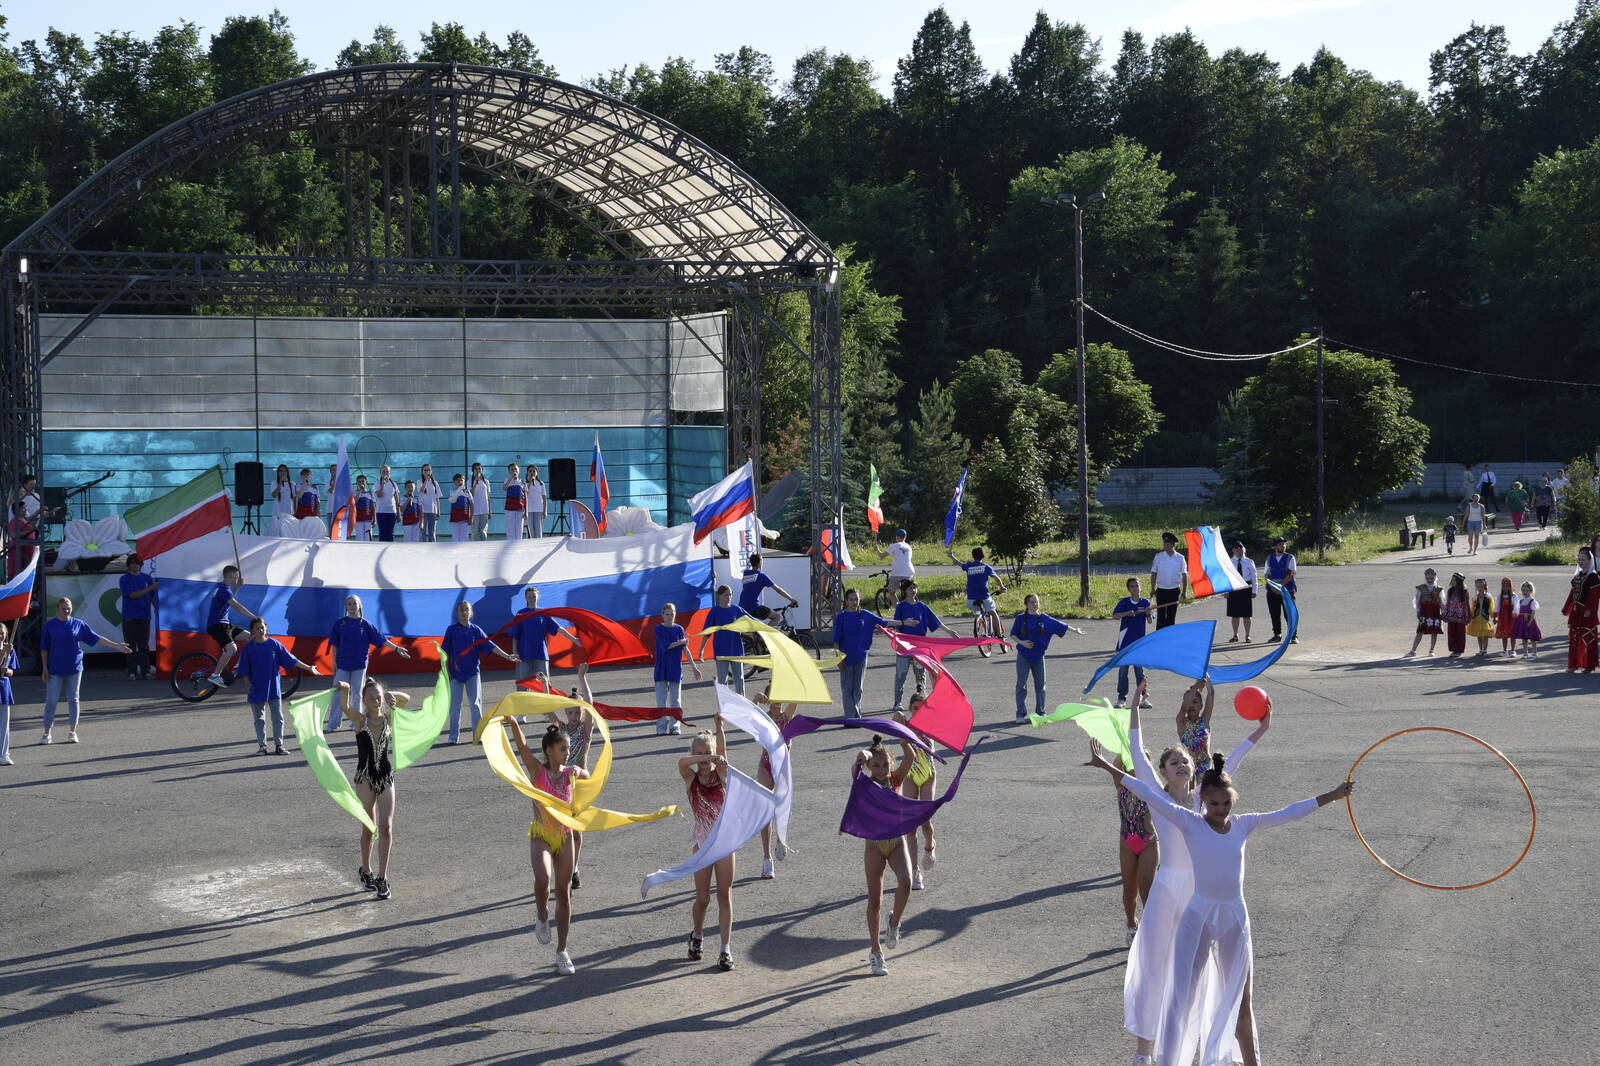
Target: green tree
1008,485
249,52
989,386
934,461
1373,444
385,47
1477,95
1121,414
1580,504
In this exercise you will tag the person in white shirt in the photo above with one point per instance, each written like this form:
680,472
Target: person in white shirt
1169,576
516,501
1558,485
1486,484
478,485
282,493
538,503
429,494
901,568
1241,602
386,498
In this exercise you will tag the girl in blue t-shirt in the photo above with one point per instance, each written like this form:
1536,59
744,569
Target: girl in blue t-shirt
1032,631
916,620
463,646
853,629
727,644
672,644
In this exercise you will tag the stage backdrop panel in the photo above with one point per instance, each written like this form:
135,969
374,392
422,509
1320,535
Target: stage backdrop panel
154,400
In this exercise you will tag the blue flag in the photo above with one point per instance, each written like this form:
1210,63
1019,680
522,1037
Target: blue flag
955,509
1185,650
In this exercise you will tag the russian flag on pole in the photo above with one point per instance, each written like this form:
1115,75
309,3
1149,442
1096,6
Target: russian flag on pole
16,595
1211,570
724,503
342,505
602,488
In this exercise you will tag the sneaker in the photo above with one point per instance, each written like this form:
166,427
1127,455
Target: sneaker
1233,640
766,869
661,727
575,881
875,963
780,849
1144,1060
1145,704
930,856
381,885
891,938
725,960
367,880
695,951
541,930
1133,931
72,736
46,738
217,680
1120,703
1022,717
5,760
262,750
916,880
278,750
564,965
133,675
677,728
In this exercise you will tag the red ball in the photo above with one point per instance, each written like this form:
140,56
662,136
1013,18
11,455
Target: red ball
1252,703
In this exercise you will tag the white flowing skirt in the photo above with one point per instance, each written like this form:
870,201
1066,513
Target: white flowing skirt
1210,964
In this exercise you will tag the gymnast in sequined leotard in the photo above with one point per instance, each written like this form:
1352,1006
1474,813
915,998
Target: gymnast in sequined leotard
705,776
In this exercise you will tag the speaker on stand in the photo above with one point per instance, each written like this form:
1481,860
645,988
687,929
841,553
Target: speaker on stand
249,491
563,487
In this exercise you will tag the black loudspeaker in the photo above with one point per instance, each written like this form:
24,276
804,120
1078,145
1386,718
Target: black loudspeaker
563,479
54,502
249,484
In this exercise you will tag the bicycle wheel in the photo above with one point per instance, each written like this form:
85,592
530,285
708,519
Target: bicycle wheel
994,631
980,628
289,684
884,602
804,638
189,677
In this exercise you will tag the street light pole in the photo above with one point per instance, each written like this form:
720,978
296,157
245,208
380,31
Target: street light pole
1322,482
1067,199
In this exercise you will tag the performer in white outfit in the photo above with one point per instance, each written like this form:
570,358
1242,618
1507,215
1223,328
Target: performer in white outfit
1214,927
537,503
1149,971
516,501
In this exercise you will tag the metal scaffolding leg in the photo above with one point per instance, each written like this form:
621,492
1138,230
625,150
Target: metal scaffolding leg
827,450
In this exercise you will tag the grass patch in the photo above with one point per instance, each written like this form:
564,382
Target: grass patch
1058,596
1550,553
1137,538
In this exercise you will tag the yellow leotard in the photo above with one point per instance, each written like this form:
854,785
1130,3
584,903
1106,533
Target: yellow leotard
921,771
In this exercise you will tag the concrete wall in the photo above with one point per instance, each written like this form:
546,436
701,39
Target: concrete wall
1186,484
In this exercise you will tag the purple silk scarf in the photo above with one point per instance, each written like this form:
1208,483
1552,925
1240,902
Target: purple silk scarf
877,812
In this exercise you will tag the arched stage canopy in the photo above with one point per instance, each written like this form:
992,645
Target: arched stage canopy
690,229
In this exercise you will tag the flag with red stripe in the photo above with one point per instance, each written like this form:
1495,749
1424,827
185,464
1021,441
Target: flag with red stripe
187,512
1211,571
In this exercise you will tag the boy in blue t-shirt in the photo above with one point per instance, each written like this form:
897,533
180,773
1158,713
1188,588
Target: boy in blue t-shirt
978,574
1133,610
1450,531
260,660
137,601
219,628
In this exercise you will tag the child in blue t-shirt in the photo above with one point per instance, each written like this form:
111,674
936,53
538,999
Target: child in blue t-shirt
8,666
916,620
1450,531
1133,610
672,643
260,660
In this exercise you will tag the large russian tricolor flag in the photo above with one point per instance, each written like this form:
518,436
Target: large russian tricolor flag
1211,569
16,595
409,591
724,503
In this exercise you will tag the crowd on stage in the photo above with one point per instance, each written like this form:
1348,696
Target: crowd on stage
387,509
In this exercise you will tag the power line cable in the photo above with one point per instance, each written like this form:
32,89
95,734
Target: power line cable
1185,350
1460,369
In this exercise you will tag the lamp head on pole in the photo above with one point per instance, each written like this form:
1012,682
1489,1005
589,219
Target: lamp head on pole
1066,198
1095,198
1048,201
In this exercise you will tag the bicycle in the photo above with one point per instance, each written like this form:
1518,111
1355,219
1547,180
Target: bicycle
779,620
191,678
987,624
882,599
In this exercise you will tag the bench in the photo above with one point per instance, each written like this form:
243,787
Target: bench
1410,534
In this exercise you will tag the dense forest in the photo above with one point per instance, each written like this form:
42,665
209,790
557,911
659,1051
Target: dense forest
1245,204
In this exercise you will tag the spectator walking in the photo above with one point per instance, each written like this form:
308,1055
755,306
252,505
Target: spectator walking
1544,501
1475,513
1517,503
1486,484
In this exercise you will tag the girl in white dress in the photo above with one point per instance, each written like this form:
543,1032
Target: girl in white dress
282,493
429,494
1201,1009
1149,970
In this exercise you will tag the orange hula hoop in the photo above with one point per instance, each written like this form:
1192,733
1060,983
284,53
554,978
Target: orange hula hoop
1533,811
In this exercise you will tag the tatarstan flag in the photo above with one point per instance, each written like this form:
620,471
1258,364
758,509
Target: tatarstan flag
874,500
183,514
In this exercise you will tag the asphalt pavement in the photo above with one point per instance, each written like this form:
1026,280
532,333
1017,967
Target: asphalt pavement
167,896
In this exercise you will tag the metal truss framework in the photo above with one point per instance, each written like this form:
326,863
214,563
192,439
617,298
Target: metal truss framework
691,230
